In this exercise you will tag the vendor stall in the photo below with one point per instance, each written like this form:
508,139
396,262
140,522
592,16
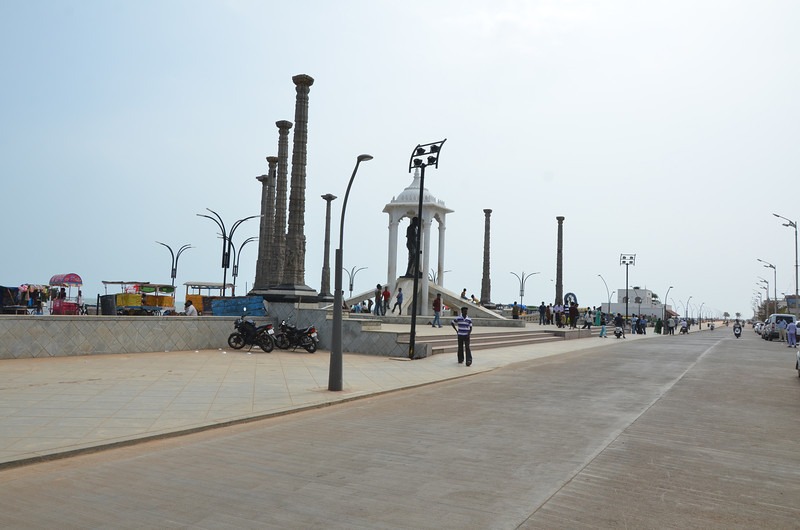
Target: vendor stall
142,298
61,301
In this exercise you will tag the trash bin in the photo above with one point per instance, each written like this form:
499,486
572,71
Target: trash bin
108,304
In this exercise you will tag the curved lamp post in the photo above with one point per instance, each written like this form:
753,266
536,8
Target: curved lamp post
522,279
236,257
351,275
700,316
175,257
774,282
335,369
227,241
686,308
608,293
792,224
416,161
664,306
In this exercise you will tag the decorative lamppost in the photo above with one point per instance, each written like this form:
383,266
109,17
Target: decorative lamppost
608,293
522,279
792,224
351,275
686,308
416,162
774,281
236,257
627,260
227,241
175,257
700,316
335,369
664,306
325,283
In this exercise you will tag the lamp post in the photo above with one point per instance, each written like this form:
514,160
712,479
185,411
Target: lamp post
792,224
236,257
664,306
774,281
433,150
608,293
686,308
175,257
700,316
227,241
627,260
522,279
766,290
351,275
335,369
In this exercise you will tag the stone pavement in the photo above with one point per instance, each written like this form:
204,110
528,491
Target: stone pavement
56,407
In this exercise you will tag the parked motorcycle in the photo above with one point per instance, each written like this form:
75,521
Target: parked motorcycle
248,334
289,336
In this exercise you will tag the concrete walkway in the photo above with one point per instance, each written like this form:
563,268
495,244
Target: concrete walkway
55,407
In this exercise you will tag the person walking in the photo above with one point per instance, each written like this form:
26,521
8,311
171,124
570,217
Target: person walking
398,301
782,330
515,311
670,326
542,314
378,300
603,325
620,323
437,311
463,326
791,335
387,298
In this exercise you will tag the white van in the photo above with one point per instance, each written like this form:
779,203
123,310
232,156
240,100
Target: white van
770,329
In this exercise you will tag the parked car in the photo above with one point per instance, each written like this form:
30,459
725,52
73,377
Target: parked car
757,327
770,330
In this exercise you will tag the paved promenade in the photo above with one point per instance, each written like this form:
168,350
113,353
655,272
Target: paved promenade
65,405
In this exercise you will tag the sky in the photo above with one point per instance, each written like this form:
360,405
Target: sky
664,129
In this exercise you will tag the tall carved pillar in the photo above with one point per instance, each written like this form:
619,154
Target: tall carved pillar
486,283
279,229
325,284
560,262
294,267
265,234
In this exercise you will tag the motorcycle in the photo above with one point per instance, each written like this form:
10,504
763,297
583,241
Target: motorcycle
289,336
618,331
737,330
248,334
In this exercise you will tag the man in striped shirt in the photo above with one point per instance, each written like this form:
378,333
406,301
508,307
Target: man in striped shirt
463,326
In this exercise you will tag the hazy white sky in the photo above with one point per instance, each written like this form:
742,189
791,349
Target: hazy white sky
667,129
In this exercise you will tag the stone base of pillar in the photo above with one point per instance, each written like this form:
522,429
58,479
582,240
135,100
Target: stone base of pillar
290,293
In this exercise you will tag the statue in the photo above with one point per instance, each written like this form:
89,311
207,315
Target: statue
412,233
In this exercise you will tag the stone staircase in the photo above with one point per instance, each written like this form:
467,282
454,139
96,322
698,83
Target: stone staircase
484,340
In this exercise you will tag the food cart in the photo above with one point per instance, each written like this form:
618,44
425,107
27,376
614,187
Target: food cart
61,301
201,302
142,298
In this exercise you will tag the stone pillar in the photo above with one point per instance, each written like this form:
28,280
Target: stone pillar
560,262
325,283
294,265
391,273
425,266
486,283
279,229
265,234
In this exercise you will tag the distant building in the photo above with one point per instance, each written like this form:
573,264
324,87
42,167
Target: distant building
640,302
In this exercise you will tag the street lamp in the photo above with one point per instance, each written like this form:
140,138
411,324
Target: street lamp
774,281
686,308
664,306
627,260
522,279
227,241
416,162
351,275
175,257
335,369
792,224
700,316
236,257
608,293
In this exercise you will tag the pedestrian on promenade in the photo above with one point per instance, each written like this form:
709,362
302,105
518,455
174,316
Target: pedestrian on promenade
782,330
603,325
437,311
398,301
387,298
515,311
587,320
620,323
463,326
670,326
791,335
548,314
557,310
378,299
574,314
542,313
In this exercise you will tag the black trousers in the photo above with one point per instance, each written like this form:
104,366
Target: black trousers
463,344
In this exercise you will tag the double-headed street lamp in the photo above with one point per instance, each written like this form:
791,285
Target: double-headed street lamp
522,279
627,260
416,161
664,306
227,241
700,316
686,308
792,224
774,281
351,275
335,369
175,257
236,257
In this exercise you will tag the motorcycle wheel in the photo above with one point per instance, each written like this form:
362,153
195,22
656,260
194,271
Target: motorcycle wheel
265,342
310,346
281,341
236,340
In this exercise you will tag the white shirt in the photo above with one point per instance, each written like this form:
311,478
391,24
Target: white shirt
191,311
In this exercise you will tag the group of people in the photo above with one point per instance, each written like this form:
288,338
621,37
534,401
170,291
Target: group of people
378,305
787,332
